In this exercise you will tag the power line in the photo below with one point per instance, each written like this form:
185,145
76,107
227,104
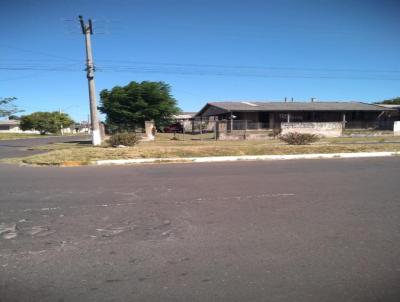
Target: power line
128,63
222,73
219,70
39,69
271,76
249,73
246,67
31,75
37,52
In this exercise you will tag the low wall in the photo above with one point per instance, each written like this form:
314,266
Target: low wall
396,128
16,129
243,135
231,136
258,136
333,129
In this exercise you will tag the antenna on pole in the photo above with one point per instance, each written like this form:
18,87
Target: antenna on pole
82,24
90,26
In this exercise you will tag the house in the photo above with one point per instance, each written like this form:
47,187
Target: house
9,126
82,127
269,115
12,126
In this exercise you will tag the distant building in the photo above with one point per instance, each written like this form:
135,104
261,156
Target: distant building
9,126
82,127
185,119
12,126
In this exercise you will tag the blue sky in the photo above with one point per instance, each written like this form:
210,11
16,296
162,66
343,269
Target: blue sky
206,50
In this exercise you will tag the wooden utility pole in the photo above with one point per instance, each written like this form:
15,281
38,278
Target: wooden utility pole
87,30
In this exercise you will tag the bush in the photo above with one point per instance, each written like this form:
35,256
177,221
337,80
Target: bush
295,138
124,138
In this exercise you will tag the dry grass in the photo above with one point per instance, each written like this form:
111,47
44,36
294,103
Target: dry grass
8,136
164,147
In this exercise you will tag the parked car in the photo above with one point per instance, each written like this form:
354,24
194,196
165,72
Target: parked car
174,128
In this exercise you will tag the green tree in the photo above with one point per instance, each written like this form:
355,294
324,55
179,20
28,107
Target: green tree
7,107
46,122
129,106
395,101
14,117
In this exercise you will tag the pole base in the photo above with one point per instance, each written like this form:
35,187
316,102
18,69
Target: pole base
96,137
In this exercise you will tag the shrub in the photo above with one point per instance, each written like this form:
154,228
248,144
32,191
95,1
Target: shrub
295,138
124,138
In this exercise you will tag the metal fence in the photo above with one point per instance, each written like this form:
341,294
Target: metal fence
376,125
212,129
245,125
198,129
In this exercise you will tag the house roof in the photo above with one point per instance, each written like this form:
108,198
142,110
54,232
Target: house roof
253,106
9,122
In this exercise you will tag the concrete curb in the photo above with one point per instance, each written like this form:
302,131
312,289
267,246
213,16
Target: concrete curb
243,158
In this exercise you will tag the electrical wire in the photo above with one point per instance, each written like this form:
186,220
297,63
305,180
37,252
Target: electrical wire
38,52
215,70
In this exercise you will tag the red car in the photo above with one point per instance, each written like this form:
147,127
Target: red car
174,128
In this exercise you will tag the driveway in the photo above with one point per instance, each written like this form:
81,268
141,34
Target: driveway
315,230
19,147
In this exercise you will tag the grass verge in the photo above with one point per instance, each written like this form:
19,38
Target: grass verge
79,153
9,136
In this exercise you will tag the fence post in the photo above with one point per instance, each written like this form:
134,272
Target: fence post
231,122
245,129
344,120
201,127
216,125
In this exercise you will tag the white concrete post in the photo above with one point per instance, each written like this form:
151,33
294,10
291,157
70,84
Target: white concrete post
231,122
344,120
396,128
149,128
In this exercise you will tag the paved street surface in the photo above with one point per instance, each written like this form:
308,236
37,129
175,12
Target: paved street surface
20,147
320,230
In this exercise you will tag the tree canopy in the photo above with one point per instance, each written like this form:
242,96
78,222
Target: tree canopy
128,107
395,101
46,122
14,117
7,106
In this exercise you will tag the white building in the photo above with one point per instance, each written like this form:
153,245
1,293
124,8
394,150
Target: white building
12,126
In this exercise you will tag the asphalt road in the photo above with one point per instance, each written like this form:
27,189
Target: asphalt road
320,230
20,147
